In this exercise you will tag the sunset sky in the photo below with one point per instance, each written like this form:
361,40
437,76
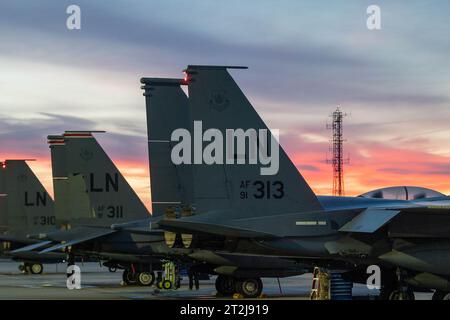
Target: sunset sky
305,58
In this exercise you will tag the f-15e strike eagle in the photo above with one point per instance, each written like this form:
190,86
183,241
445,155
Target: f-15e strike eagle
279,215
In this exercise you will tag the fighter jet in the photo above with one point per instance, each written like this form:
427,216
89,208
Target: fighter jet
172,190
91,195
25,207
167,110
87,187
250,208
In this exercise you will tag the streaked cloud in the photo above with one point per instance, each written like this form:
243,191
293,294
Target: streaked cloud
305,58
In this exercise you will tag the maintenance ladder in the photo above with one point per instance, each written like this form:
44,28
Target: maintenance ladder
330,285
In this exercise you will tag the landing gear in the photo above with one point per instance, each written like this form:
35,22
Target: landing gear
395,289
145,278
36,268
112,269
249,287
141,274
225,285
441,295
31,268
129,277
397,294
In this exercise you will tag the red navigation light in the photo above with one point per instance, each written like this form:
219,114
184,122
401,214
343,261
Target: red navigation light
186,77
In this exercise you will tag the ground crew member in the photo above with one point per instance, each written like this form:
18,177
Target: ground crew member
193,278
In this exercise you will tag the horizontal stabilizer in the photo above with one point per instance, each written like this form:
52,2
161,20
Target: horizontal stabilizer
39,236
79,232
370,220
32,247
15,238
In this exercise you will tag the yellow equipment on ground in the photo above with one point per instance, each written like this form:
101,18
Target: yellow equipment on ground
320,285
330,285
170,278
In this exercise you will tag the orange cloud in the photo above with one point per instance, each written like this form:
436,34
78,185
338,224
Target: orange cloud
372,166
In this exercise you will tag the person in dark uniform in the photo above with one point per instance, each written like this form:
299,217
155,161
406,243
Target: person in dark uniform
193,279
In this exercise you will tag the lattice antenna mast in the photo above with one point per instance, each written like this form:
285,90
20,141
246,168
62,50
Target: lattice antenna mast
338,160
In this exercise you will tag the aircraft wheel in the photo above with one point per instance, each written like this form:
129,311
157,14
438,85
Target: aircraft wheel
166,284
36,268
129,277
441,295
401,295
22,267
112,269
250,287
225,285
145,278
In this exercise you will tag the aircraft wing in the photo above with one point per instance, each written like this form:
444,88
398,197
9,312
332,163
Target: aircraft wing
150,226
79,232
142,230
186,226
145,223
77,236
145,226
418,219
65,238
370,220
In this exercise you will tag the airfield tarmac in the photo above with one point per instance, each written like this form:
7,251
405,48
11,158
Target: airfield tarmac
98,283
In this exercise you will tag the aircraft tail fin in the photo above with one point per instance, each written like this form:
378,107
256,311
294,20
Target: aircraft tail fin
91,172
269,185
3,199
60,179
28,207
167,110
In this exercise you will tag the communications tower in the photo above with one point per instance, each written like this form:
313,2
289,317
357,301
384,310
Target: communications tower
338,160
